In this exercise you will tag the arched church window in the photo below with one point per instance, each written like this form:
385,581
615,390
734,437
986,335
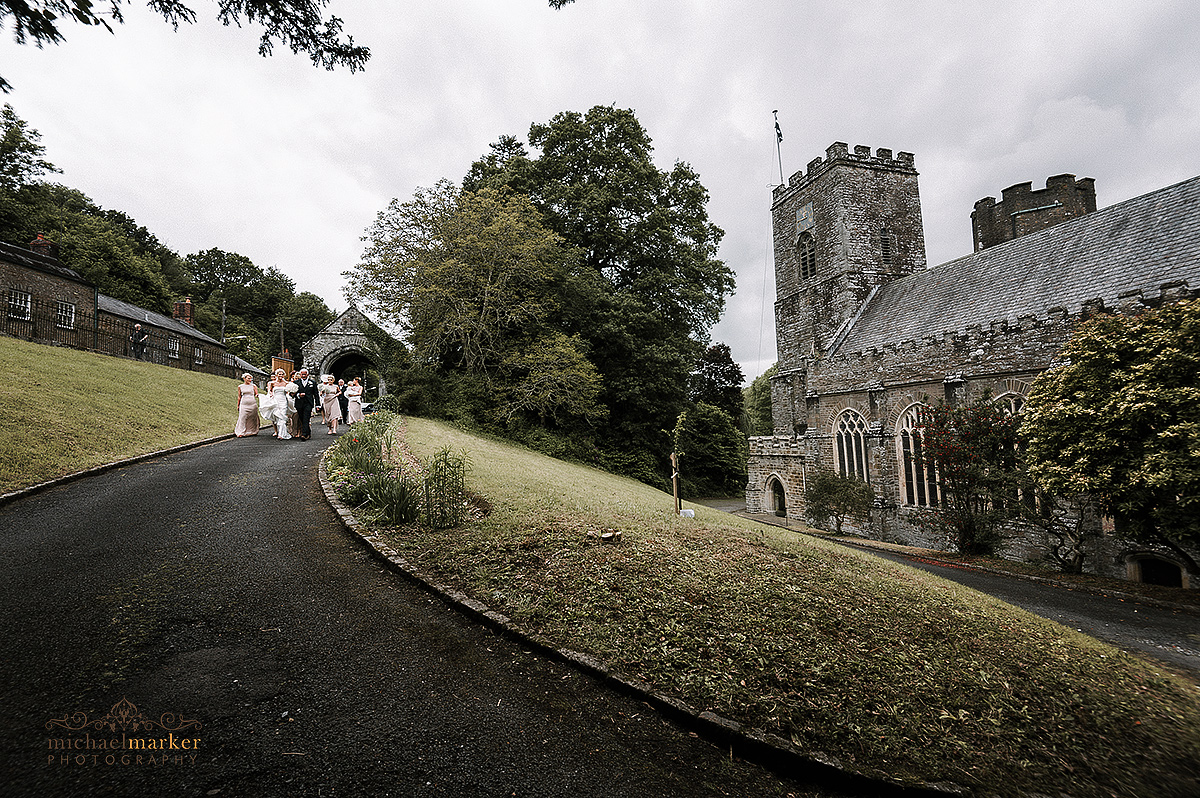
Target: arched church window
918,474
850,444
1011,404
808,256
885,245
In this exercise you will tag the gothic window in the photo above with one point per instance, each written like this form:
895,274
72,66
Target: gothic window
20,305
173,348
66,316
808,256
1011,404
199,356
850,444
918,475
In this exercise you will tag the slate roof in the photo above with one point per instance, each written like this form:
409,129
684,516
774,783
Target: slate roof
33,260
1139,244
135,314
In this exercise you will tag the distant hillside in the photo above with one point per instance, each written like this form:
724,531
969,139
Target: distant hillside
67,410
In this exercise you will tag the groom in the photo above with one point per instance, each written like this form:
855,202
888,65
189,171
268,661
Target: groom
306,397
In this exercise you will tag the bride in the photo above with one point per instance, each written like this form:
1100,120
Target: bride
274,407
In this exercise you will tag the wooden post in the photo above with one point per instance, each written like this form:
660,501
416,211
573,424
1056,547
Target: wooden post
675,480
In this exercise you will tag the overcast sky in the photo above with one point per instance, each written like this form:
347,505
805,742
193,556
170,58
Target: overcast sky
207,144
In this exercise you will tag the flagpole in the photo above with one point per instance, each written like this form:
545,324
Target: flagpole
778,142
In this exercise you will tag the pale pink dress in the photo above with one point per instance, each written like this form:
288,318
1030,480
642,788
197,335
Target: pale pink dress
330,406
354,406
247,422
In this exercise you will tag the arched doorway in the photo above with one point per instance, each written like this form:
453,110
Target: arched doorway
1157,571
778,497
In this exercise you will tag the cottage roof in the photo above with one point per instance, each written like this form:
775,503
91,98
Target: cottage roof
1137,245
33,260
135,314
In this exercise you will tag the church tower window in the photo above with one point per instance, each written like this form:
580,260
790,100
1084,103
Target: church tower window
850,445
918,474
885,245
808,256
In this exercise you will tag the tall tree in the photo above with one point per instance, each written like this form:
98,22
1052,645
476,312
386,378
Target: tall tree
21,152
757,397
1119,419
717,381
464,274
651,285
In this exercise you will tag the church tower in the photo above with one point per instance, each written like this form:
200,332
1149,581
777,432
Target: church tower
848,224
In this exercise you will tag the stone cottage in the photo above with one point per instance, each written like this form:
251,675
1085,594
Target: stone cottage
867,334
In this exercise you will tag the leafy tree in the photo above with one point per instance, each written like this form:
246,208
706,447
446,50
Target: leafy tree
466,275
1119,420
296,24
553,379
830,496
21,152
651,285
757,402
712,452
976,451
717,381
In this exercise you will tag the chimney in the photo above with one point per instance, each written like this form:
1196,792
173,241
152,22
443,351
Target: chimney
183,311
44,247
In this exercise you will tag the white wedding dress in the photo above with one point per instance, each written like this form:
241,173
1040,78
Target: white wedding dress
275,410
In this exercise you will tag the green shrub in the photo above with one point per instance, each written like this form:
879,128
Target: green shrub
445,489
831,496
390,500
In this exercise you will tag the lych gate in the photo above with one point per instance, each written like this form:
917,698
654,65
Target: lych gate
344,349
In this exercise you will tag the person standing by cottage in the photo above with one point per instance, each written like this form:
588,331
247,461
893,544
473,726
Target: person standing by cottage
247,421
306,397
137,342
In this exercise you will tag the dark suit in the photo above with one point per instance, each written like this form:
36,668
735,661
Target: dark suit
306,398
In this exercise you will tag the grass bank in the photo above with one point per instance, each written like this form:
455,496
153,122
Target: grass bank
67,410
886,668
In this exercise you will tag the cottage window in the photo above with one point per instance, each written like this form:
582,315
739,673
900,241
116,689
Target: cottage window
173,348
918,474
808,256
199,356
850,444
66,316
20,305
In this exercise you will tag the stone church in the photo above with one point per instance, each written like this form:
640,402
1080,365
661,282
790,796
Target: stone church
868,333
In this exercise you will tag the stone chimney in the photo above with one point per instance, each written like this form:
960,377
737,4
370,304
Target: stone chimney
44,247
183,311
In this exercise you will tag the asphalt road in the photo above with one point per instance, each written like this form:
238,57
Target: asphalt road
214,595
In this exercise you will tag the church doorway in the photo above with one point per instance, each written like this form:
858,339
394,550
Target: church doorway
778,497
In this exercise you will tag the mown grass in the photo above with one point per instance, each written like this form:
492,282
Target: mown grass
887,668
67,410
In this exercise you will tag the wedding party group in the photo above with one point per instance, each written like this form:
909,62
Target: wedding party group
287,405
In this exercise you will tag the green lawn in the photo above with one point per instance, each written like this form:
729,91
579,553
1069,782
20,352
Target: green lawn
884,667
70,410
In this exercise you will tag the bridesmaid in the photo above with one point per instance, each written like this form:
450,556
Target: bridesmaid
247,422
330,405
354,392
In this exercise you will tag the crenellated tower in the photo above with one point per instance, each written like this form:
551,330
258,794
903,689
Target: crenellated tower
842,228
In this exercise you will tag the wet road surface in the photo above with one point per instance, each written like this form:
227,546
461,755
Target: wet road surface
214,595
